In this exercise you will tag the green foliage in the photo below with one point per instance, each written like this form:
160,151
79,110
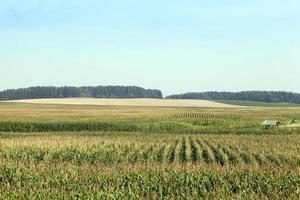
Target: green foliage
67,126
206,156
245,157
160,154
258,103
217,153
194,151
182,152
292,121
232,158
259,159
260,96
172,152
164,183
67,92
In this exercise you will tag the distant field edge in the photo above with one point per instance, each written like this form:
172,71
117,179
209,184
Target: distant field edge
143,102
256,103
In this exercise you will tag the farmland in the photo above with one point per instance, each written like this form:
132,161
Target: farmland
255,103
128,102
57,151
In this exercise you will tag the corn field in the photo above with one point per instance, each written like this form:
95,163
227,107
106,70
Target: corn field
107,166
229,150
88,152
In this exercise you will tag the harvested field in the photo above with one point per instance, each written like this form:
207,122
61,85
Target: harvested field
130,102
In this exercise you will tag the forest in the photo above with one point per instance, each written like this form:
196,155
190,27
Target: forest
89,91
263,96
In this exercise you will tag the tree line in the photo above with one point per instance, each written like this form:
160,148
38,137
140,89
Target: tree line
263,96
139,92
67,92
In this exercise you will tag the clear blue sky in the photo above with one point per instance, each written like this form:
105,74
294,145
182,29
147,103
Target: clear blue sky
172,45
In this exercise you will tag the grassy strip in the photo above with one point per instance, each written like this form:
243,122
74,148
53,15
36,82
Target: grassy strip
132,126
257,103
88,126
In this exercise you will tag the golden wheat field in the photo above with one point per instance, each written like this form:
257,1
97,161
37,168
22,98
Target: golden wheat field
130,102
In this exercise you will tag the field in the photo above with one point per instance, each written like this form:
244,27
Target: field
56,151
257,104
129,102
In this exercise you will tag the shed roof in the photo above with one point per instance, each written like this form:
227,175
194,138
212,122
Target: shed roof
270,122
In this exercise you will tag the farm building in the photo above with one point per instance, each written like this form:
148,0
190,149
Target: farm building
267,124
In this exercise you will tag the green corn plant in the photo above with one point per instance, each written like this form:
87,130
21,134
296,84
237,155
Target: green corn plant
182,151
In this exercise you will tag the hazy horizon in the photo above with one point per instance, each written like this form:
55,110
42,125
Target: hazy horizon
174,46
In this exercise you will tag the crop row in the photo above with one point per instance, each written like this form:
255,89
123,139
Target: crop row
204,116
120,126
181,151
172,126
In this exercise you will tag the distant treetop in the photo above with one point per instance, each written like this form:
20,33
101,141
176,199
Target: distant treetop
68,92
263,96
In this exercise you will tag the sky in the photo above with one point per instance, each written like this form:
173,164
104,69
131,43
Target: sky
173,45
